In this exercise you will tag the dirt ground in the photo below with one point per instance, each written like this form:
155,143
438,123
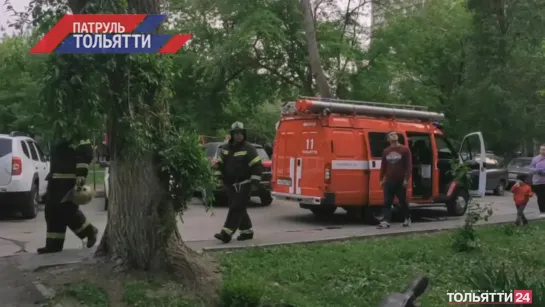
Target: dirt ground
103,276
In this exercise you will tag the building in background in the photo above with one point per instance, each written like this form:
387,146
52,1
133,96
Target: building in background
382,8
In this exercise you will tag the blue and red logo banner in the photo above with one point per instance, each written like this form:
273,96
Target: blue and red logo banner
109,33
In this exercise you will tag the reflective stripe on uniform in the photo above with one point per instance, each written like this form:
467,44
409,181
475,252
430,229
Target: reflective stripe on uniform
247,231
217,173
82,228
227,230
254,161
240,153
225,152
63,176
256,177
220,159
82,165
55,235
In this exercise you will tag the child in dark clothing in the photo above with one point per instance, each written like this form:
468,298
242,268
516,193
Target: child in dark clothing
521,195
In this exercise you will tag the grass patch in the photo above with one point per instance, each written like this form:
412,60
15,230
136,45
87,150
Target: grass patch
96,173
362,273
358,273
151,294
86,294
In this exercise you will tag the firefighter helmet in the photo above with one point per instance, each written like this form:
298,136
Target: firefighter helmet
237,126
83,195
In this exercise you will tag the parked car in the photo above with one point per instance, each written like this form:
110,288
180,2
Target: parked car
23,169
497,176
519,166
264,192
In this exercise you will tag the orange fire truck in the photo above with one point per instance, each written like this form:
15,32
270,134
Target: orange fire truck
327,154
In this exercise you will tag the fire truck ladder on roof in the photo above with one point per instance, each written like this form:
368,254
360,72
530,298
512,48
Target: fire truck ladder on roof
317,104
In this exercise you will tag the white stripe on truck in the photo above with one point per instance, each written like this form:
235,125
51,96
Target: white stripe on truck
355,164
292,175
298,176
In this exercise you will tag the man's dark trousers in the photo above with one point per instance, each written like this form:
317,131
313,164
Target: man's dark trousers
237,216
394,189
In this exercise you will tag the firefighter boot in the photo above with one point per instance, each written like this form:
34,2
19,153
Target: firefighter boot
51,246
225,235
92,236
245,235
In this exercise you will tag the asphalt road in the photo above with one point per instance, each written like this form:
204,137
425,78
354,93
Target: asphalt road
282,222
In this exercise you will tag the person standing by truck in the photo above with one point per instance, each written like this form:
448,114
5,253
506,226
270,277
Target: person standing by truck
537,167
395,173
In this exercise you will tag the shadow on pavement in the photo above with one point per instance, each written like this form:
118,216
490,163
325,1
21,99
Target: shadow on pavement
340,218
12,215
254,203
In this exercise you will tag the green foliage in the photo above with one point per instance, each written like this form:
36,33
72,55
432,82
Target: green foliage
362,273
501,277
241,293
475,65
483,70
88,294
461,173
184,165
465,238
153,294
69,97
19,86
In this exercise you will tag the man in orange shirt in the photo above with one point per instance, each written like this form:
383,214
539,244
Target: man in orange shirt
521,195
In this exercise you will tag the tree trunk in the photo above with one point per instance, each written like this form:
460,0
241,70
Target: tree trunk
313,53
141,232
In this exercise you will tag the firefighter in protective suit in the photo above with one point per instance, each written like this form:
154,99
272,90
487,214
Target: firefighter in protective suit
65,191
240,166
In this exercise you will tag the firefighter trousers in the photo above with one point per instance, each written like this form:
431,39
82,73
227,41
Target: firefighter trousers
237,216
60,214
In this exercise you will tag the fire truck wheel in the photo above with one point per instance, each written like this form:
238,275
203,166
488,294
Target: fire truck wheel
323,211
459,203
266,199
372,215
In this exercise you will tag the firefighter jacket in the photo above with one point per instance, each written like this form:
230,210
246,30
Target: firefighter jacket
70,160
239,163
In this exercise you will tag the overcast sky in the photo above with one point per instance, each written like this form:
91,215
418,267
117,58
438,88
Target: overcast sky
5,16
20,5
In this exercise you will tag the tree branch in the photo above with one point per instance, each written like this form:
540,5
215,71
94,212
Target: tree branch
314,54
274,72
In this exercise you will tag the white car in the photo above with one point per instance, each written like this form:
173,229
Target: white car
23,168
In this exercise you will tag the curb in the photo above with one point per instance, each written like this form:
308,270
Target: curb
46,292
220,249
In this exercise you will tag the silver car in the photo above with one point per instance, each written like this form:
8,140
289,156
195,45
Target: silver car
496,174
519,166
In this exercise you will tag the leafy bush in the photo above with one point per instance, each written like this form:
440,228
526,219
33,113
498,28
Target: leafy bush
461,173
465,238
494,278
241,293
